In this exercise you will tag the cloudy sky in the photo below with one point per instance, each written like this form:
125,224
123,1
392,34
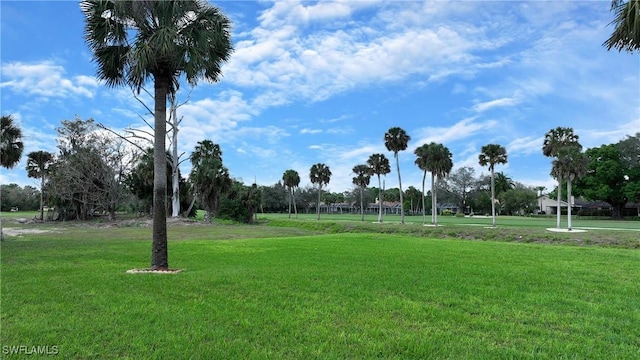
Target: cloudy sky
322,82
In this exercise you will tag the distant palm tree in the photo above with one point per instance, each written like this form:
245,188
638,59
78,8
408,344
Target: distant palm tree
503,183
396,140
319,174
570,164
291,180
422,161
626,35
379,165
439,163
555,141
361,180
210,178
38,167
492,154
137,41
11,145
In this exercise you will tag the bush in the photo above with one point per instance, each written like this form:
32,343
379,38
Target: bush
459,214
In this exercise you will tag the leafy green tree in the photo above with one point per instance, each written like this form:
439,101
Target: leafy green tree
630,156
319,174
136,41
571,164
518,200
38,163
240,203
413,199
291,180
210,178
361,180
460,183
503,183
605,178
555,141
492,154
396,140
626,35
379,165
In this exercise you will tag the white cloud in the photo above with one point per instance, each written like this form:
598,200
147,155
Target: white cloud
461,130
310,131
45,79
502,102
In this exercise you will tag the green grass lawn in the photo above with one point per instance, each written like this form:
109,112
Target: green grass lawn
273,292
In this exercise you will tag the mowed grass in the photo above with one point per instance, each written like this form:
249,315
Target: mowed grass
262,292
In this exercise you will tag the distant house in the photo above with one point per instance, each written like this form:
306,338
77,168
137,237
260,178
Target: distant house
550,206
597,207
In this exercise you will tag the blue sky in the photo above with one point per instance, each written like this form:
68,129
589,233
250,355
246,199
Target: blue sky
317,82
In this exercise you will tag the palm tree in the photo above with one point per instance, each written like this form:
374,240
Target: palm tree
38,167
626,35
439,163
571,164
503,183
422,161
555,141
361,180
379,165
11,145
321,175
396,140
291,180
137,41
492,154
210,178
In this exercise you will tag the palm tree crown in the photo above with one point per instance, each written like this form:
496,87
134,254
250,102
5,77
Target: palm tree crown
557,139
169,38
11,145
492,154
626,35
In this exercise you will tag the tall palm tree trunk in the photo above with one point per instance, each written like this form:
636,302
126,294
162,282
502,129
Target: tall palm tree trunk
434,201
569,204
290,203
400,186
42,197
159,253
361,205
293,199
318,207
493,199
175,172
379,199
424,211
559,212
